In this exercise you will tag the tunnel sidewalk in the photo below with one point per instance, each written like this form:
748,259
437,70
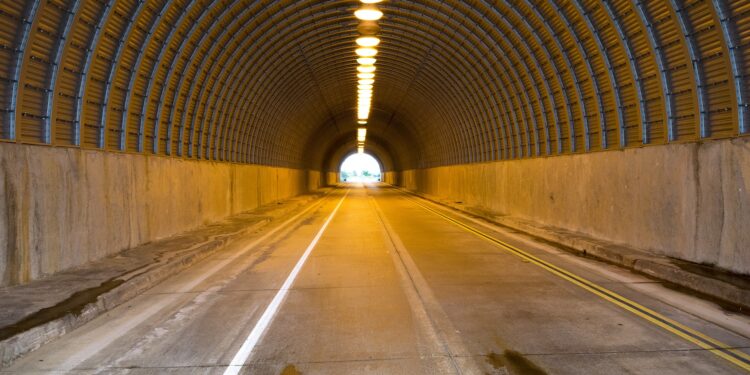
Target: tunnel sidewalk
37,312
730,290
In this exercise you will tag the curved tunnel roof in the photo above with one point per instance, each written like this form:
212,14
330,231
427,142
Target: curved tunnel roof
273,82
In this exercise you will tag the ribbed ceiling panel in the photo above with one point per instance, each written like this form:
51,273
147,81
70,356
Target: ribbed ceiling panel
273,82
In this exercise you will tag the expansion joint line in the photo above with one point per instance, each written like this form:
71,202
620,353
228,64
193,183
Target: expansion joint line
420,294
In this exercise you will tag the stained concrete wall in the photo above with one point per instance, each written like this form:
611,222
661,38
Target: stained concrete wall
331,178
391,177
314,180
688,201
62,207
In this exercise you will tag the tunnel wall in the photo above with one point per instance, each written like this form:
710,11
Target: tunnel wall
391,177
688,201
62,207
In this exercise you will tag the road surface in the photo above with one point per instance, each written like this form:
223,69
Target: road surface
375,281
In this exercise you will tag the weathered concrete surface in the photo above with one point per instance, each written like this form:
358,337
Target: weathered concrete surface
331,178
391,288
688,201
707,280
62,207
390,177
42,310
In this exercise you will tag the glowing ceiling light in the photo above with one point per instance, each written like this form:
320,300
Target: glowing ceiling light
361,132
366,52
364,87
362,122
368,41
366,61
366,68
371,1
365,75
368,14
366,81
361,150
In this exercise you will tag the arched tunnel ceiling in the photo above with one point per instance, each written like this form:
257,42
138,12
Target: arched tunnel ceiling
273,82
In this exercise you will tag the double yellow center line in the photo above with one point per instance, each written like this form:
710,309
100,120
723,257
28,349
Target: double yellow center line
716,347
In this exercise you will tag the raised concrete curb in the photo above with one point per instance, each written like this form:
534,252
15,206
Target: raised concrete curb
113,283
709,281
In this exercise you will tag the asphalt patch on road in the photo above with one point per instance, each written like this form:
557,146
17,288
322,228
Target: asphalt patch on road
515,363
290,370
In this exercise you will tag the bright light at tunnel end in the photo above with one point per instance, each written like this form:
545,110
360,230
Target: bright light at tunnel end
360,167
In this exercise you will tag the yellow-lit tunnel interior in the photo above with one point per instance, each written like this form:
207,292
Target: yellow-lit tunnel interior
460,83
269,82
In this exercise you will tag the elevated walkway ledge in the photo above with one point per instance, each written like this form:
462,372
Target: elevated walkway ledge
728,289
38,312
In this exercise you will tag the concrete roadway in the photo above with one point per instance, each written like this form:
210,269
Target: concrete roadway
381,282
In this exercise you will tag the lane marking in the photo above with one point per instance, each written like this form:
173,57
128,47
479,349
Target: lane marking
265,320
712,345
430,316
92,342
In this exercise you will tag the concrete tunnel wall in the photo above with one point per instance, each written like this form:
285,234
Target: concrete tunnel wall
507,84
687,201
63,207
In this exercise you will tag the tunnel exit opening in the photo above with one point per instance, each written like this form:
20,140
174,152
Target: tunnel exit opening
360,168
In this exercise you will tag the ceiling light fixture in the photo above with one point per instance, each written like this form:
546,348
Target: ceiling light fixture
366,52
368,41
368,14
366,61
366,68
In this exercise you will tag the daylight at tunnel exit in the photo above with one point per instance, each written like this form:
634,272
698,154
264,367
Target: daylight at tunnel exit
509,187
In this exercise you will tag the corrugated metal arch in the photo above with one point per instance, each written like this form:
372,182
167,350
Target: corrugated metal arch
459,82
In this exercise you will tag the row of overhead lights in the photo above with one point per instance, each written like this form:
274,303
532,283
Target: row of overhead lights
366,51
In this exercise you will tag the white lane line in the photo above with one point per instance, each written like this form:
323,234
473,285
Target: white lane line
92,342
265,320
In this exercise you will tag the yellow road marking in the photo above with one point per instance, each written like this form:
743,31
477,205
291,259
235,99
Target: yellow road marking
714,346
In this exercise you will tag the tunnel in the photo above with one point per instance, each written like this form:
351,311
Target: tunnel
600,143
